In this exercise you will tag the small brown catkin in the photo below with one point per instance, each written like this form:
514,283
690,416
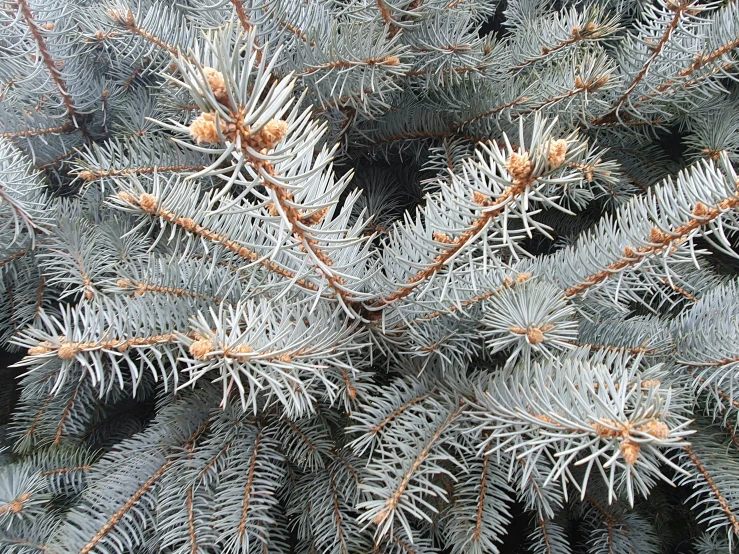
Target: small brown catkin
557,152
66,351
535,335
148,203
268,136
126,197
630,451
38,350
520,167
657,429
217,84
604,428
200,349
204,129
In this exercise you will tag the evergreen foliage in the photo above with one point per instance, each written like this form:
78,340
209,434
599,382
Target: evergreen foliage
352,276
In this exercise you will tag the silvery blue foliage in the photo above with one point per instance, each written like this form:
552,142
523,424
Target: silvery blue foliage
365,276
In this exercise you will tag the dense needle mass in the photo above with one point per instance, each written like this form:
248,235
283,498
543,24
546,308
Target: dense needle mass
359,276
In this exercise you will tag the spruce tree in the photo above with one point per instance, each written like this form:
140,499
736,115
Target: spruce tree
353,276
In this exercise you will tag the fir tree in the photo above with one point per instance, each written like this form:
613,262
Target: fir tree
352,276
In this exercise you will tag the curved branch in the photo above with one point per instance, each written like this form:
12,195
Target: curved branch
67,127
139,288
701,61
65,414
150,205
481,499
337,513
392,502
95,174
27,15
116,517
457,244
399,410
714,489
128,21
659,243
249,485
66,350
656,51
14,256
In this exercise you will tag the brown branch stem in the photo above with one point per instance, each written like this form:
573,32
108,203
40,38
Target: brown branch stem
714,489
659,242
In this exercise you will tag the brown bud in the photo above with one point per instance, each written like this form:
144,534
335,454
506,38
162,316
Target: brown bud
273,132
66,351
204,129
657,429
244,349
604,428
217,84
201,348
700,210
123,195
713,154
519,166
599,82
535,335
557,152
630,451
148,203
38,350
16,506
